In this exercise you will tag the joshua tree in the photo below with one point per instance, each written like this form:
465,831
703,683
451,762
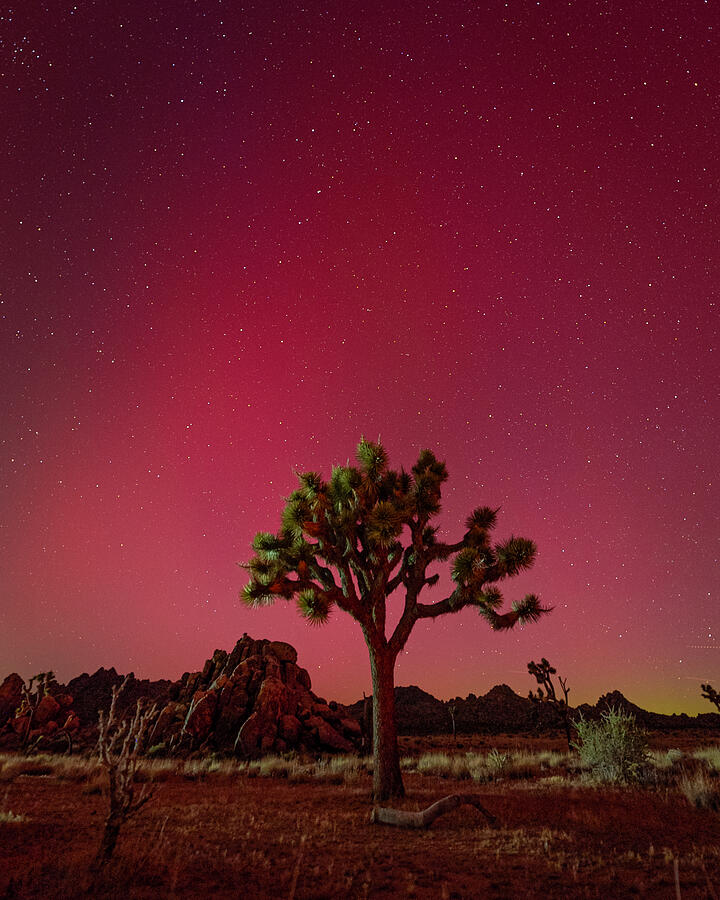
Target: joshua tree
452,709
709,693
355,540
546,691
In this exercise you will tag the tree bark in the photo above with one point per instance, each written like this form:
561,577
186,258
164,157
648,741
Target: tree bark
426,817
387,779
111,832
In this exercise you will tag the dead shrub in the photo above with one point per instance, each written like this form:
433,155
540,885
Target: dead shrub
119,746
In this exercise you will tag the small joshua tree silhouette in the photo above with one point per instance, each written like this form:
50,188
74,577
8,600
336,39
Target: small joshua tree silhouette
546,691
709,693
452,709
119,746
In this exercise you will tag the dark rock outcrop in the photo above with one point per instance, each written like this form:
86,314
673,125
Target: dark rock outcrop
252,700
38,717
501,710
420,713
257,699
649,720
91,693
10,697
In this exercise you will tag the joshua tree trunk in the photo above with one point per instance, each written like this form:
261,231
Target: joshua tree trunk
367,724
387,780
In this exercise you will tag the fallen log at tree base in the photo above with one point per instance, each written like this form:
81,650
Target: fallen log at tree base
425,817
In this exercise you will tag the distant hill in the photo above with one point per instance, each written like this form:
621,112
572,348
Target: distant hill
501,710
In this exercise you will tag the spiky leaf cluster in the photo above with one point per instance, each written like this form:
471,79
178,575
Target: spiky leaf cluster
355,539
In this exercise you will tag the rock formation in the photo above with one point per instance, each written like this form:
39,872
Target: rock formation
91,693
11,694
35,715
256,699
501,710
253,700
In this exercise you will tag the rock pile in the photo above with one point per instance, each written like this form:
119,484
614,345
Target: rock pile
256,699
91,693
11,694
35,717
253,700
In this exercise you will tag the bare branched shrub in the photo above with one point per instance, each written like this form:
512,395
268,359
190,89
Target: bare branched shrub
120,743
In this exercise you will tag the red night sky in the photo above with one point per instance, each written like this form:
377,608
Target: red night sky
237,237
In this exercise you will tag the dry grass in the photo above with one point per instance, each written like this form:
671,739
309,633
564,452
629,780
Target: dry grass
491,766
664,759
710,755
232,835
702,789
292,826
8,816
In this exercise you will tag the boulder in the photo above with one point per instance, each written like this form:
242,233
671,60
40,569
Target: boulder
284,652
289,729
199,720
91,693
252,700
168,723
213,667
10,696
351,727
46,710
232,705
272,668
331,739
260,729
20,725
253,732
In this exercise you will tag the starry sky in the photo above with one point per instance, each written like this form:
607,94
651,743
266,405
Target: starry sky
238,236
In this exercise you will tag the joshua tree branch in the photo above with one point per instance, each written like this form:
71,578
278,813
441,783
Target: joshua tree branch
425,818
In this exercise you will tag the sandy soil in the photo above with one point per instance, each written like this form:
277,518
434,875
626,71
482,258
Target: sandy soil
271,838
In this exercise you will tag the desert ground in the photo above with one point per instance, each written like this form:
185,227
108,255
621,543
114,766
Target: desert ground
291,828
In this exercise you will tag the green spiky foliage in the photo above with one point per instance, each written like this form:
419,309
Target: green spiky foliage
365,535
340,545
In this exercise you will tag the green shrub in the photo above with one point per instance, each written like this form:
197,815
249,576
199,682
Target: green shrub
497,762
614,749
